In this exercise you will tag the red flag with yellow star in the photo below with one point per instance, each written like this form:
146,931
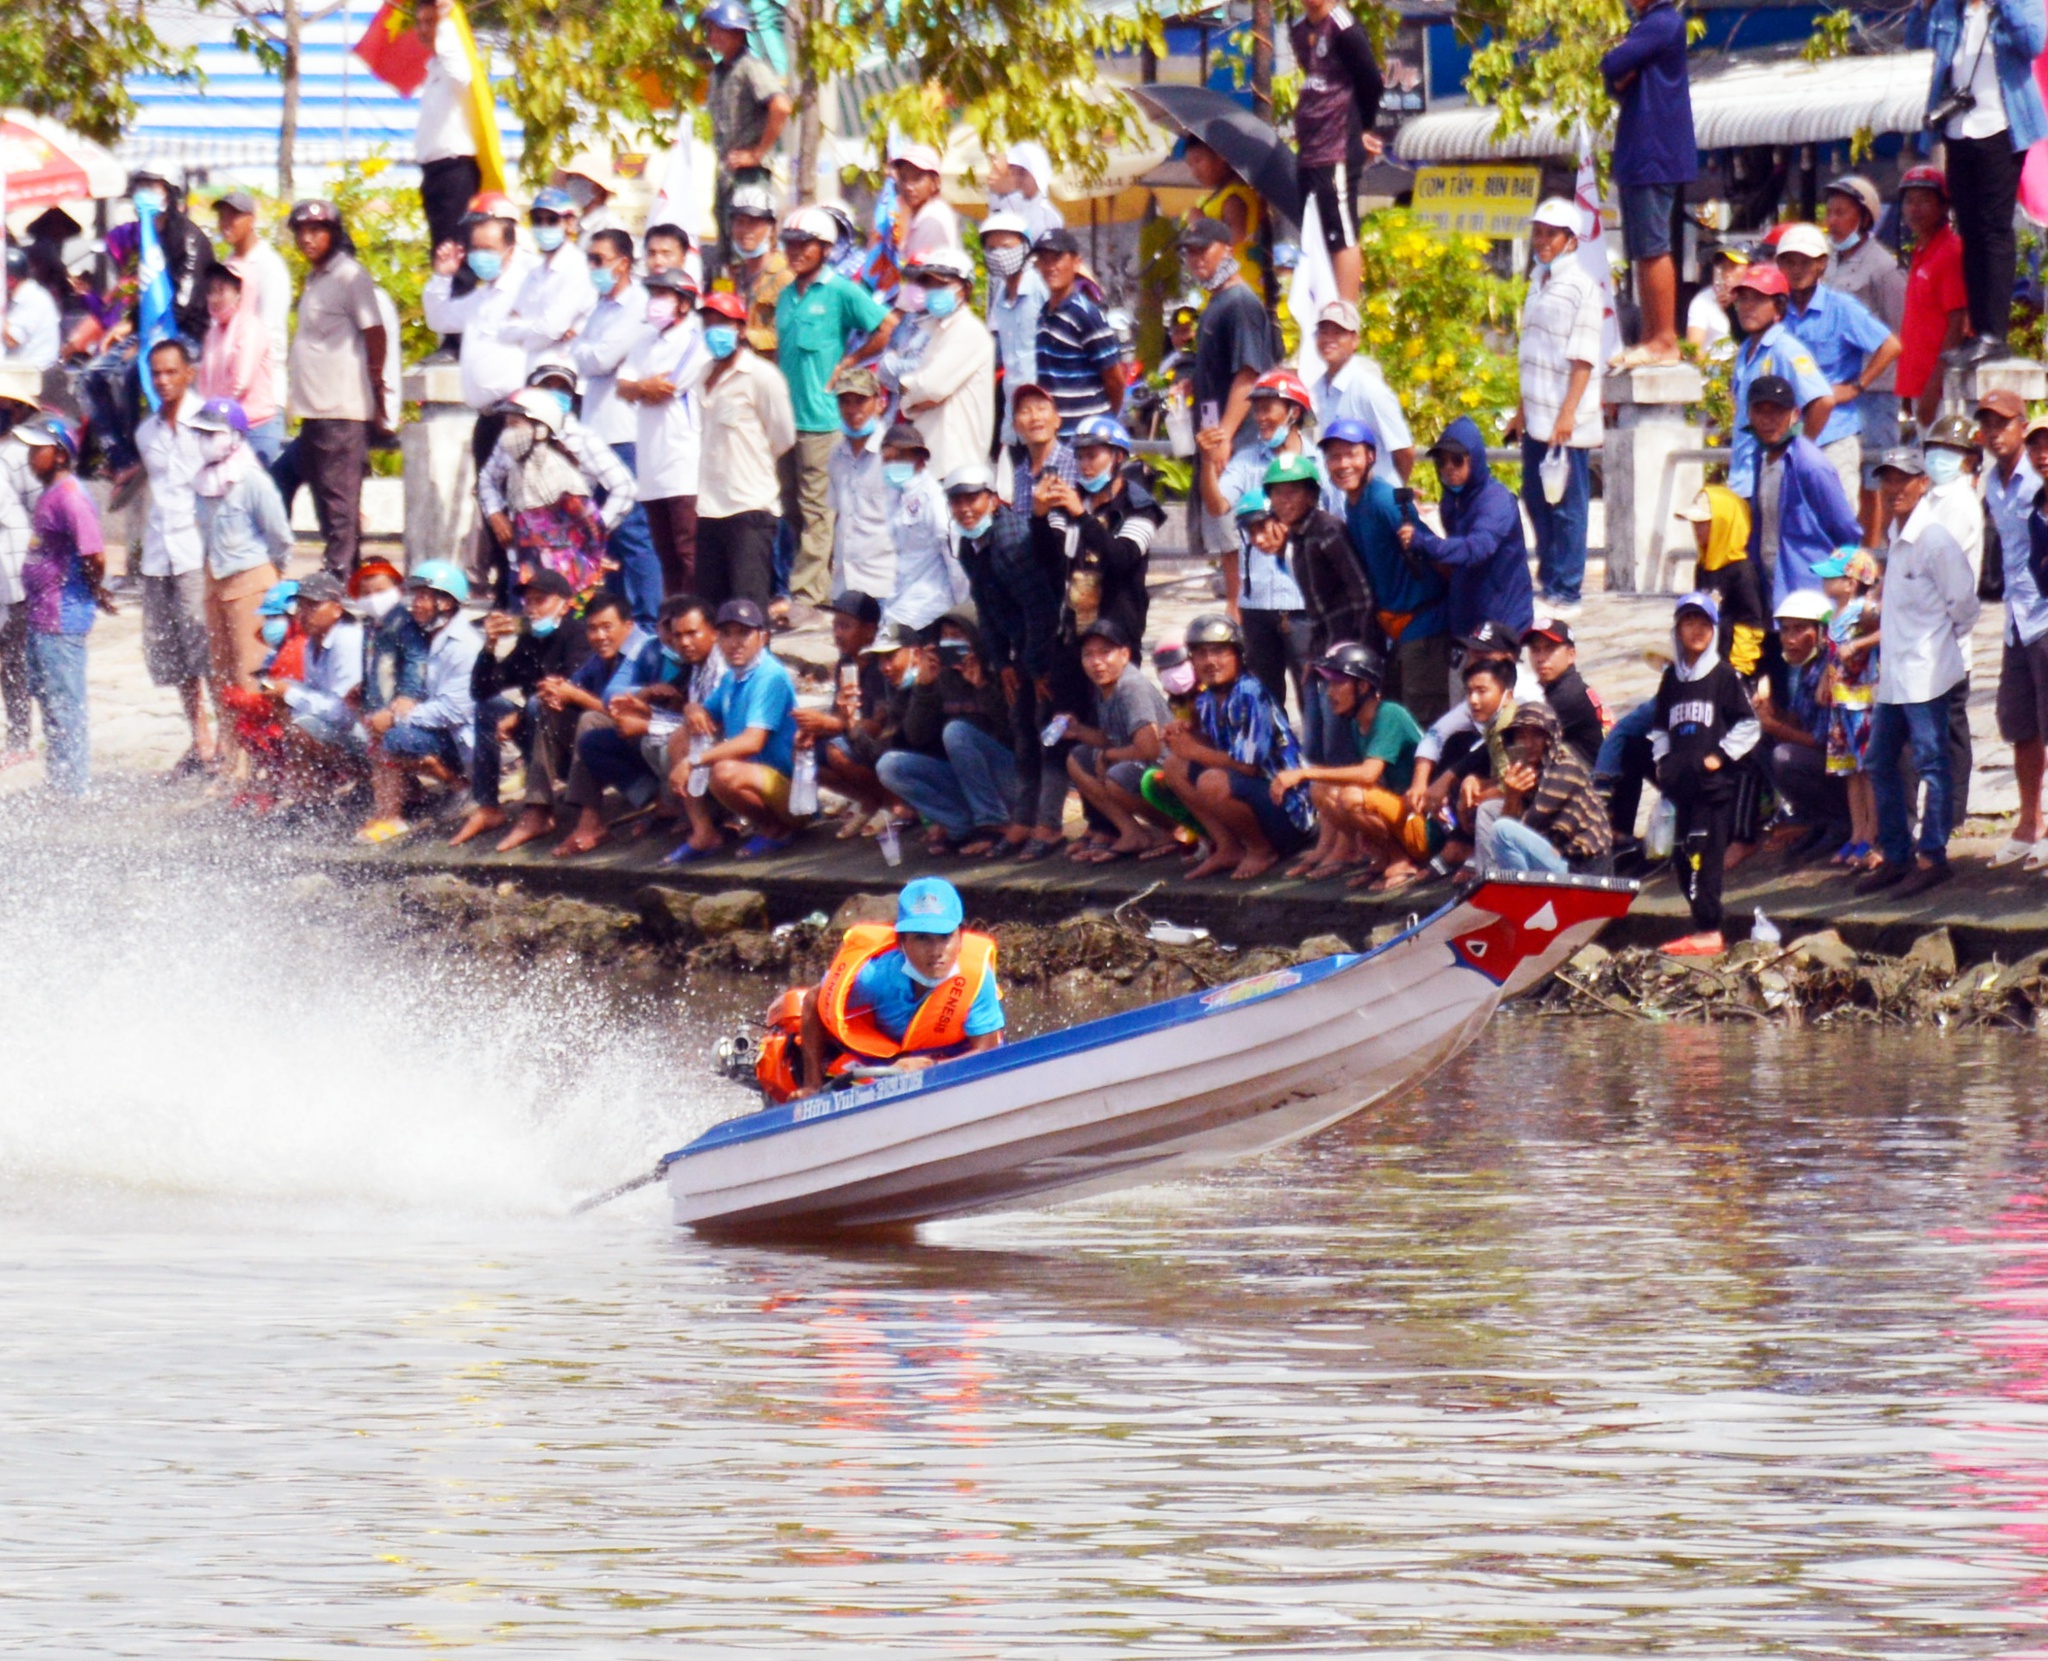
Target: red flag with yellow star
393,50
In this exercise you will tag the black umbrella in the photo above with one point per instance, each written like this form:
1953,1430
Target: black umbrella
1248,144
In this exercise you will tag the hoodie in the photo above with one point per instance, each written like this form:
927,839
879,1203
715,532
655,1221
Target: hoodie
1727,572
1481,550
1701,708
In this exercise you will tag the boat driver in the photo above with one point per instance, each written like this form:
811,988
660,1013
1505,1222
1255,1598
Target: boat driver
905,997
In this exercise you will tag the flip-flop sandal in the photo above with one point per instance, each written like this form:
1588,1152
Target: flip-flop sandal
380,831
2010,852
1159,850
759,847
688,855
1394,885
1035,850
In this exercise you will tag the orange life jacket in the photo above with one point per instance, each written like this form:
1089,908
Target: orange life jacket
941,1019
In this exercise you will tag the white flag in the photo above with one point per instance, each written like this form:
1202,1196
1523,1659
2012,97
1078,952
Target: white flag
1593,242
1314,287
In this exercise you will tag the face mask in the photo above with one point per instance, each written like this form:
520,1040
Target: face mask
604,279
1222,274
1842,244
518,442
671,664
1543,261
1944,466
941,302
149,201
379,604
663,310
975,532
721,340
542,627
751,250
1093,483
547,238
274,631
566,400
898,474
865,430
1004,262
1272,446
916,975
485,264
219,446
910,298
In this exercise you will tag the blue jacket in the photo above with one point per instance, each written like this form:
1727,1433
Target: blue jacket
638,664
1653,138
1481,550
1814,519
2019,31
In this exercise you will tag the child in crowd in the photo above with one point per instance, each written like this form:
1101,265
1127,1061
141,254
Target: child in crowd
1554,656
61,588
1702,730
1850,691
1111,754
1176,672
1720,532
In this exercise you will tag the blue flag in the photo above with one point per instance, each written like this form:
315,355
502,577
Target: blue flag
154,299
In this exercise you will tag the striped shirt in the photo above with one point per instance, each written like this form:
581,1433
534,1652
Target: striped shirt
1075,345
1562,322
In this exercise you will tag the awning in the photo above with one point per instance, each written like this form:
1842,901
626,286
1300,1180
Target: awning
1748,101
44,163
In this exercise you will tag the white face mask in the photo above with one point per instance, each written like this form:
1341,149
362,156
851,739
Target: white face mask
379,604
219,446
518,442
1944,466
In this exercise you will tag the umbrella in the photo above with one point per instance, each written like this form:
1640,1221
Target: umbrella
1248,144
43,162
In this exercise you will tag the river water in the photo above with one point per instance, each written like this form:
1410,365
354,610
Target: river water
1612,1340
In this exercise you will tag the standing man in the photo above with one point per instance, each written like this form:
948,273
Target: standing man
494,336
173,568
1016,297
1937,311
1020,186
1851,347
262,268
1866,270
1991,115
1654,160
337,367
661,377
1930,605
748,107
619,319
949,393
815,318
748,428
34,331
555,296
1234,343
2010,487
1770,349
443,143
758,270
1799,514
1338,103
1558,415
1077,351
1352,388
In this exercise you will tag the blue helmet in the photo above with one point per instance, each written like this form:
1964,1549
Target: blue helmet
729,14
1103,429
443,577
1253,503
929,905
1348,431
278,600
48,427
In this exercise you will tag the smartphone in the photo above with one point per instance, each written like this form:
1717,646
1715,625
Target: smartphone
954,651
1404,498
1212,414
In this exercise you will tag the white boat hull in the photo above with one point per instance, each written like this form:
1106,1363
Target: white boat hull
1147,1095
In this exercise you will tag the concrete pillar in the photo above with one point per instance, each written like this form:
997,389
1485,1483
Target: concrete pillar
440,475
1961,388
1652,423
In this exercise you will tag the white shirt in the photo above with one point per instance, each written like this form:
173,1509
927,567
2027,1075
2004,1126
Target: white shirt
929,581
444,128
609,333
749,425
1359,392
1930,606
1975,71
669,435
34,325
264,266
1958,507
1038,213
554,298
390,401
493,337
171,455
957,371
863,546
334,669
1707,315
932,227
1563,320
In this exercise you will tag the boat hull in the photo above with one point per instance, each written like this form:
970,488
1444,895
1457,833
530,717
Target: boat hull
1145,1096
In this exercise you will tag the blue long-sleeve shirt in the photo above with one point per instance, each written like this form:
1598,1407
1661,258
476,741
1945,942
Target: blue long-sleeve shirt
1402,585
1653,137
1814,519
1481,553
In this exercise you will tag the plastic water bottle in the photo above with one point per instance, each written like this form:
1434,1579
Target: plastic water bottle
891,841
1662,835
1764,931
1055,730
700,775
803,783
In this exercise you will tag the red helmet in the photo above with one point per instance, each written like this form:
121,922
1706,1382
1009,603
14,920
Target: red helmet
1763,278
1925,178
1284,383
729,306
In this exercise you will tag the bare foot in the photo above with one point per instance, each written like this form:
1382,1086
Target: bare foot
533,824
580,842
1254,866
1325,869
480,819
1218,862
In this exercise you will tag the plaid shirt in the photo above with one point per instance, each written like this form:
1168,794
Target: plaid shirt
1060,464
600,463
1562,321
20,489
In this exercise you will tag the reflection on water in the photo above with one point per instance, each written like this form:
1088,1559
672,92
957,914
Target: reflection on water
1613,1341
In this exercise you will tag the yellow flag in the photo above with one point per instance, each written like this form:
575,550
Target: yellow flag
483,109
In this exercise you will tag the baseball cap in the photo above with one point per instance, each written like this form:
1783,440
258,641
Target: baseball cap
892,637
1058,240
924,157
728,306
903,436
1557,213
1492,639
1554,629
220,415
856,381
543,580
929,905
2008,405
1860,191
1772,389
1002,220
740,614
1348,431
1762,278
1698,600
552,199
1803,238
321,589
236,201
1203,230
1109,629
970,480
862,608
313,212
1805,605
1342,313
2038,425
1901,458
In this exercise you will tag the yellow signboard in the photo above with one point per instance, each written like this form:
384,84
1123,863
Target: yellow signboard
1481,201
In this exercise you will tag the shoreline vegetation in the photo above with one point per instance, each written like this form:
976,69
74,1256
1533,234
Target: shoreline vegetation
1096,962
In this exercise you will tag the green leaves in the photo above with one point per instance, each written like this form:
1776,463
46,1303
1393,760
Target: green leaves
70,62
1539,52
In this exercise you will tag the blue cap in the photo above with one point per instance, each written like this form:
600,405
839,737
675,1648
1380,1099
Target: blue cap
1699,600
1348,431
1837,563
278,600
729,14
553,199
929,905
1101,429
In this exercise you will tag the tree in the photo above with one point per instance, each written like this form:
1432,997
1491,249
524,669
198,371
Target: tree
1009,69
1542,51
71,62
276,46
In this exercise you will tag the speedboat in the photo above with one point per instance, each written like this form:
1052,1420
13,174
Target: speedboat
1154,1093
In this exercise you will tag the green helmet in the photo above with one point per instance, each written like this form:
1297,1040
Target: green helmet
1212,628
1299,469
